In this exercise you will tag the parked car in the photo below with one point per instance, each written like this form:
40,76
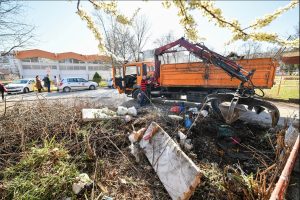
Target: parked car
75,83
21,85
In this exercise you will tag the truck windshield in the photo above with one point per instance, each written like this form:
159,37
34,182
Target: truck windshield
130,70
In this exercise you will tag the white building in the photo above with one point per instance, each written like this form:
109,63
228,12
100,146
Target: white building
30,63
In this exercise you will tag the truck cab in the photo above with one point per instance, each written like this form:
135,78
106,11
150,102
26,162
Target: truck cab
128,80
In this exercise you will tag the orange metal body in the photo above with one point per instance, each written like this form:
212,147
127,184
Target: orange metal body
198,74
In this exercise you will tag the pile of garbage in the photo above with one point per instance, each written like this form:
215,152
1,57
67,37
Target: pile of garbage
162,151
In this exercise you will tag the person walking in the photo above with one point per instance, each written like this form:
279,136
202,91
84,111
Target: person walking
38,83
2,90
47,82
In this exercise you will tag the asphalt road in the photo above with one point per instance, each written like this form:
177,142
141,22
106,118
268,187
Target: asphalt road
102,92
111,97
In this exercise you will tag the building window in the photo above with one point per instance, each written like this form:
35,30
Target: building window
26,60
53,67
91,68
70,67
63,68
77,61
65,61
36,67
46,60
26,66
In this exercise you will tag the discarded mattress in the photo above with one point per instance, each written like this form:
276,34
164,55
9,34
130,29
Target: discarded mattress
179,175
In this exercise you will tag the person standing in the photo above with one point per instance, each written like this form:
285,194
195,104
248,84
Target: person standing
47,82
57,81
38,83
143,93
2,90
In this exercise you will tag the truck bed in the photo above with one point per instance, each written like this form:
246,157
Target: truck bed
197,74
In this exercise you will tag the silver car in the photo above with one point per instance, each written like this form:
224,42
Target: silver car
75,83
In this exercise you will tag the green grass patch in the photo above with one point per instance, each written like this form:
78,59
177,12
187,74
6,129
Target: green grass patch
43,173
288,89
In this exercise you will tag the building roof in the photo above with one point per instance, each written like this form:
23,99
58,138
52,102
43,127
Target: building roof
59,56
290,57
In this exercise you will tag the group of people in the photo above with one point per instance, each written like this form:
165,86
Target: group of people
47,83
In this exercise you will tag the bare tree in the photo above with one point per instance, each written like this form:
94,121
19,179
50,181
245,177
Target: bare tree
141,28
124,41
13,32
250,49
163,40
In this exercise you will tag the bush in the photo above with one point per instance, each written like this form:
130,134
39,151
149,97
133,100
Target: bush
97,78
103,84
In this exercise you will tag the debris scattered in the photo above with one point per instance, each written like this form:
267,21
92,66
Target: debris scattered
96,114
132,111
82,182
175,117
291,134
240,161
128,118
122,110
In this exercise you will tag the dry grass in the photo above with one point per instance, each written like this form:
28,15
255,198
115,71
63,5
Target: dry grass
100,149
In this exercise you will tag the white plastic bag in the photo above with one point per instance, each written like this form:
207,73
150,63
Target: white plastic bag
132,111
122,110
290,136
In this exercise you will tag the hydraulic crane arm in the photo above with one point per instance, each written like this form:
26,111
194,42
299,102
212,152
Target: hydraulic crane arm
208,56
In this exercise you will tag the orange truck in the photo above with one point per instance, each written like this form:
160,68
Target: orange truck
217,79
195,79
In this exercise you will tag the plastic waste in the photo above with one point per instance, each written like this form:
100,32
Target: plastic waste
175,109
204,113
122,110
181,107
132,111
193,110
128,118
82,181
291,135
175,117
187,122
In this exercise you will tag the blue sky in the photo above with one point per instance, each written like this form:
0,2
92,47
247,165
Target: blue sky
59,28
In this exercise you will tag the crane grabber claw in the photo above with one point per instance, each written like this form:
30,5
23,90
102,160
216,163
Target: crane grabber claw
230,107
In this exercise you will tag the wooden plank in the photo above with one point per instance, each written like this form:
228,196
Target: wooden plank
177,172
